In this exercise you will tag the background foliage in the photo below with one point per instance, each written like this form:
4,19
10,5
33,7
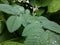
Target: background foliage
29,22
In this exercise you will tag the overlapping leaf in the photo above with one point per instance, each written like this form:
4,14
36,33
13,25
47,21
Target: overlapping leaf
7,9
15,10
25,17
13,23
19,9
34,37
37,36
49,38
50,24
33,32
32,29
45,38
53,39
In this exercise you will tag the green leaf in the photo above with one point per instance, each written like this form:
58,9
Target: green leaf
13,23
42,19
53,39
7,9
49,24
19,9
26,16
15,9
44,38
11,43
32,29
49,38
54,6
32,40
33,32
32,19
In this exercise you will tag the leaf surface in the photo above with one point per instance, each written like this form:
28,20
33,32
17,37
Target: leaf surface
54,6
13,23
